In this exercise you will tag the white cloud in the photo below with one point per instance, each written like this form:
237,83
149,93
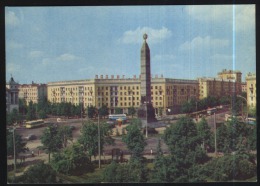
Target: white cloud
67,57
12,68
244,15
135,36
62,58
11,19
13,45
35,54
206,42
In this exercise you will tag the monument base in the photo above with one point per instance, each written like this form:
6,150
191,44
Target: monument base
146,113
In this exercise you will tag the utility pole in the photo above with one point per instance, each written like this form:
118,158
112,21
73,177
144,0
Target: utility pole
215,134
14,154
98,142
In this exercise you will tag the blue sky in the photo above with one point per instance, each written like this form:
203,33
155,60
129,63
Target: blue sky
46,44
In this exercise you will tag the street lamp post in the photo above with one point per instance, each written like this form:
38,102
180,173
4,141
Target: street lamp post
215,128
81,112
14,153
99,158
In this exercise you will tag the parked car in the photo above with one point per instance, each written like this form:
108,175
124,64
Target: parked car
30,137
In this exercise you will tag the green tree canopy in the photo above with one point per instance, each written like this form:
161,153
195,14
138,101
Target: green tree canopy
204,133
72,160
134,139
89,137
131,111
51,140
184,145
20,145
65,133
39,173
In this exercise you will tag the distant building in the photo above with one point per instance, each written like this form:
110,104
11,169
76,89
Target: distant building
251,89
230,75
12,95
217,87
33,92
243,87
121,92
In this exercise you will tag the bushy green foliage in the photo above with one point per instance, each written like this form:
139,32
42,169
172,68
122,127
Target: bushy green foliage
65,133
133,172
13,117
51,140
72,160
184,145
39,173
230,167
131,111
89,137
204,133
134,139
20,145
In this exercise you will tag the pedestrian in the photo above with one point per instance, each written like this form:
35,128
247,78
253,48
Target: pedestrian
151,151
32,154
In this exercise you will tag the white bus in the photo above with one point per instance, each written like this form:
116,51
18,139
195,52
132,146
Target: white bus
117,116
34,123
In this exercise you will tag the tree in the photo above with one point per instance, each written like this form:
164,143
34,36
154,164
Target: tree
20,145
31,115
135,171
72,161
91,110
118,110
184,145
159,172
89,137
131,111
39,173
230,167
204,133
42,114
51,140
14,117
65,133
134,139
22,106
103,111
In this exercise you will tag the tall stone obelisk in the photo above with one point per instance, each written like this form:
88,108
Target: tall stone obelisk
146,111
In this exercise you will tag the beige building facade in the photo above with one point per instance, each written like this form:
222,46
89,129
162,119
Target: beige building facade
121,92
217,87
251,89
32,92
230,75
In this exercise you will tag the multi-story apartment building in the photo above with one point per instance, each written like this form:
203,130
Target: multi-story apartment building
230,75
11,96
243,87
217,87
228,82
251,89
32,92
121,92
